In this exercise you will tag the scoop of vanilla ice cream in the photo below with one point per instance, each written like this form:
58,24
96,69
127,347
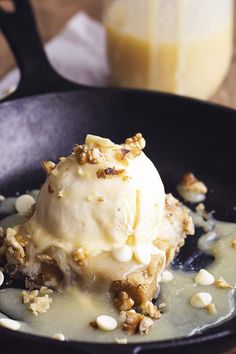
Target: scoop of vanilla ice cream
101,197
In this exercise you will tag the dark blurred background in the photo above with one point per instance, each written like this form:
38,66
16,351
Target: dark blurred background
53,14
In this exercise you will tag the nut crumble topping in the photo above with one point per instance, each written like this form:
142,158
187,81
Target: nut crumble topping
84,154
29,296
192,184
81,256
15,245
151,310
40,305
135,144
145,325
45,258
211,309
36,303
48,166
191,189
123,302
132,322
221,283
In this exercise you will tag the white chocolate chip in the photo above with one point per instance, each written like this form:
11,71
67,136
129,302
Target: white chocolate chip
24,203
122,340
167,276
59,336
201,300
204,278
106,323
1,278
122,254
9,324
143,254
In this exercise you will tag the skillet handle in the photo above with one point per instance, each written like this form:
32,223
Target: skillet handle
37,74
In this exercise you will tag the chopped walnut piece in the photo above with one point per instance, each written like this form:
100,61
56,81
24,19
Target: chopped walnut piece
81,256
29,296
22,239
45,290
93,155
123,302
41,304
188,226
84,154
103,173
221,283
36,303
132,322
233,244
211,309
151,310
45,258
190,183
145,325
15,245
48,166
137,140
135,144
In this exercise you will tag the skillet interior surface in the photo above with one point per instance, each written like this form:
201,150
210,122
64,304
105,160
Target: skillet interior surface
182,135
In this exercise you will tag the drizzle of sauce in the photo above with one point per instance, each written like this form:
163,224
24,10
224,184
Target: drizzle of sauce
72,310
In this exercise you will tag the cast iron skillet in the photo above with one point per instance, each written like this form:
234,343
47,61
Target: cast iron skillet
47,115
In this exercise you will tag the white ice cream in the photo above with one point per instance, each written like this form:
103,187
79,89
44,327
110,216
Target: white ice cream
79,208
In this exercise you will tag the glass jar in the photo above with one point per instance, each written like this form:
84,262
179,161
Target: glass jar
178,46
